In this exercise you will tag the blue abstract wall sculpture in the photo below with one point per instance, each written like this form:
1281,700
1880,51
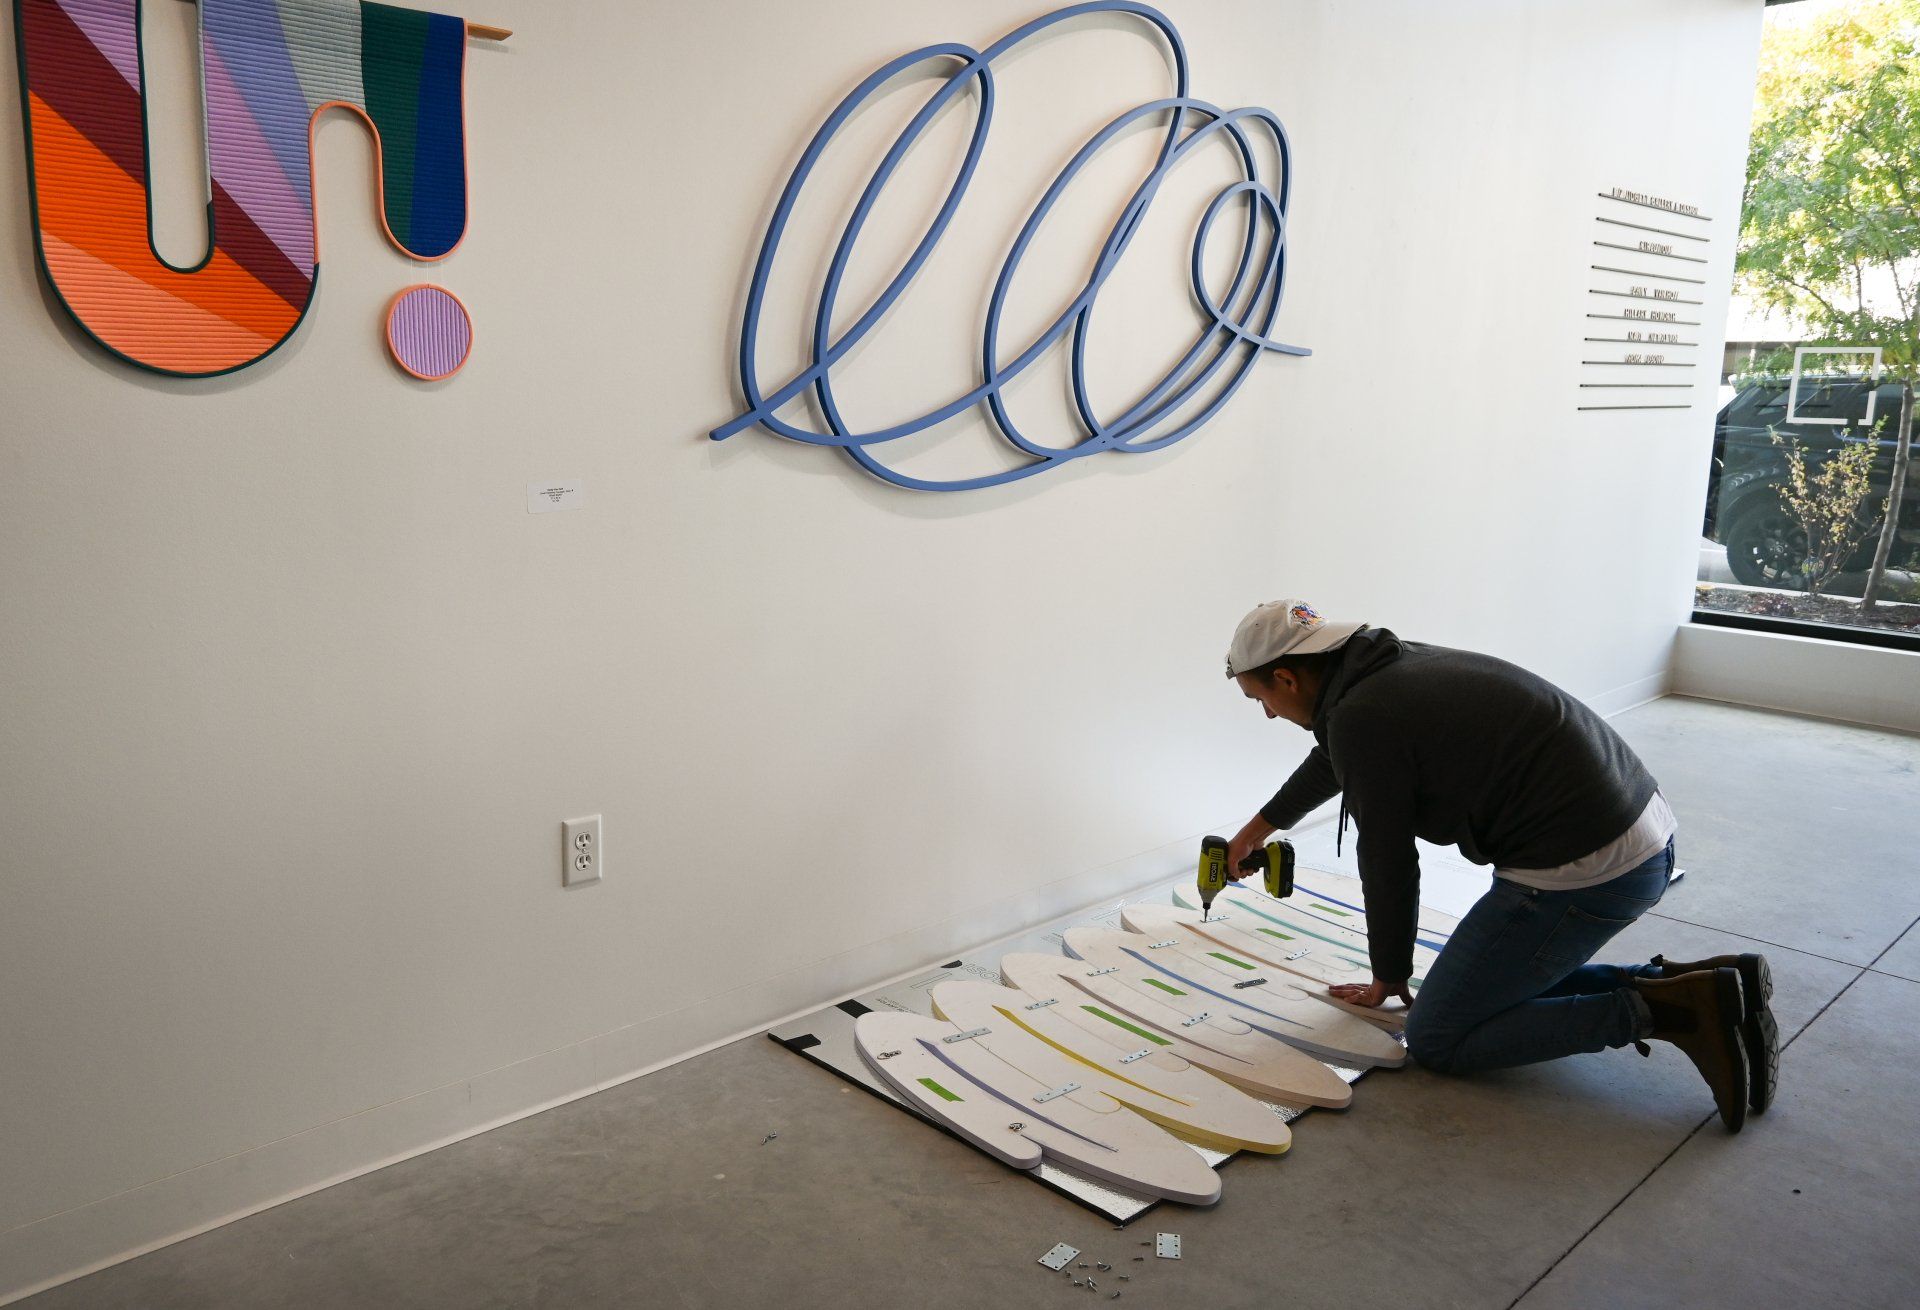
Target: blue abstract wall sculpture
1232,336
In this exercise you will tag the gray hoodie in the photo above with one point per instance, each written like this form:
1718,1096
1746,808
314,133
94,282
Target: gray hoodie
1457,749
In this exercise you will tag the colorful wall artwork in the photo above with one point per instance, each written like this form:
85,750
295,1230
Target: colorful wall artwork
1234,324
270,68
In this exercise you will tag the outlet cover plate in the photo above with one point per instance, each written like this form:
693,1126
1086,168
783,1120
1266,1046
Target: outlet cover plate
583,856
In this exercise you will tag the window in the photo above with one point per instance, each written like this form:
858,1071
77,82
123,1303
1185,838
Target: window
1812,519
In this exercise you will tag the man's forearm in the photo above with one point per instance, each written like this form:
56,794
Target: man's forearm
1252,833
1392,897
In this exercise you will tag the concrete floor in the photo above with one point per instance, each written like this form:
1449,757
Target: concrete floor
1596,1181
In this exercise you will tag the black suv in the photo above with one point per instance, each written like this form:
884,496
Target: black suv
1765,546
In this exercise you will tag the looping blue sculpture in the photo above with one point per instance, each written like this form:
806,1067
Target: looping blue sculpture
1233,337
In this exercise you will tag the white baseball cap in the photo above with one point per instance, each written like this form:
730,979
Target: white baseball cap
1283,627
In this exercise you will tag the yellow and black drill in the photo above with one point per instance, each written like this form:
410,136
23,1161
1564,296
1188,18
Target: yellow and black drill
1274,862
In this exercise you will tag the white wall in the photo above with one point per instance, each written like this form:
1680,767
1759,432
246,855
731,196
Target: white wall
296,693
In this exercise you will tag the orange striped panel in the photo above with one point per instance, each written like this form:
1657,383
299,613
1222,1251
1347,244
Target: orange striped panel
91,204
123,312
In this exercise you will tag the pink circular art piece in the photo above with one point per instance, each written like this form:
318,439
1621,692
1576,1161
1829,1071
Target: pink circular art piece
429,332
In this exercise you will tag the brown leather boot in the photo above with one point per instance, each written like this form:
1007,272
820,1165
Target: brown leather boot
1701,1013
1760,1033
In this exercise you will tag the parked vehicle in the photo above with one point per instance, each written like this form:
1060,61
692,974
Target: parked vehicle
1765,545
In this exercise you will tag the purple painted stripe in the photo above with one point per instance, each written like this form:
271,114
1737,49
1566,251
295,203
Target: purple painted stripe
249,172
109,24
430,331
254,49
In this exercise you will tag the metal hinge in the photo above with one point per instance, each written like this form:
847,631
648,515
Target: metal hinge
1097,972
1061,1090
1251,982
1137,1055
1041,1005
970,1033
1201,1017
1297,954
1154,946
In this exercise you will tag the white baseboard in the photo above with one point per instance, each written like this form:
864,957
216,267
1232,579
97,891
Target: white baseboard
1610,704
1803,675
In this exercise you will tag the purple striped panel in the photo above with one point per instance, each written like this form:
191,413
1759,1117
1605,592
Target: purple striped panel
249,170
429,331
109,25
253,51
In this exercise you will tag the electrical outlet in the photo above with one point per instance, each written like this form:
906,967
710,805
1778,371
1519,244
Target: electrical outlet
582,857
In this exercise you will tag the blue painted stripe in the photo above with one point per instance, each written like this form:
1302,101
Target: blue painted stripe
1427,942
1202,987
439,214
1001,1096
1253,909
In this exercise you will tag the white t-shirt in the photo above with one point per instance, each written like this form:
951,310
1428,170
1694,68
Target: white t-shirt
1650,832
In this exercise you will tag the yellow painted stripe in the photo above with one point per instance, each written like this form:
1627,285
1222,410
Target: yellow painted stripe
1075,1055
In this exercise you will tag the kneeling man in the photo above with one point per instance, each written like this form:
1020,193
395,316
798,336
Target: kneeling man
1464,749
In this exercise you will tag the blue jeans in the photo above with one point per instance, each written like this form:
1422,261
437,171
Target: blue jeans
1513,986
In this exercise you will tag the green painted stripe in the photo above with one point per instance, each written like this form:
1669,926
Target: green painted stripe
1329,909
393,45
1271,933
1155,982
1137,1032
938,1090
1229,959
1305,932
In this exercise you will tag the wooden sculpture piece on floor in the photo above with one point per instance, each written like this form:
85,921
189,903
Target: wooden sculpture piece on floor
1225,1048
1336,899
1029,1033
1268,1001
1236,934
964,1085
1336,942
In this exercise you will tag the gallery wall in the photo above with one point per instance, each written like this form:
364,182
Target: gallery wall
297,692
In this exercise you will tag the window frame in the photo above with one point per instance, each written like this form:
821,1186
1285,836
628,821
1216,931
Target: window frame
1885,638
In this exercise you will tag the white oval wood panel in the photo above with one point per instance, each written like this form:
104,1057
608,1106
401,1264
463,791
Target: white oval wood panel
1278,1007
1334,940
1228,1049
1161,1087
1227,930
972,1088
1346,893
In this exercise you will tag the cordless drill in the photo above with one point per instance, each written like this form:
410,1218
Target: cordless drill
1274,862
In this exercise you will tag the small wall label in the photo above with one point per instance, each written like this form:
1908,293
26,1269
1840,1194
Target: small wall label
546,497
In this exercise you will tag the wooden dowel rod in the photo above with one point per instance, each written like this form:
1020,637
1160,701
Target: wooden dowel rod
480,31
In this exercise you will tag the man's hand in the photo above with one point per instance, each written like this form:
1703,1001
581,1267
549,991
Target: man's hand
1250,837
1372,995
